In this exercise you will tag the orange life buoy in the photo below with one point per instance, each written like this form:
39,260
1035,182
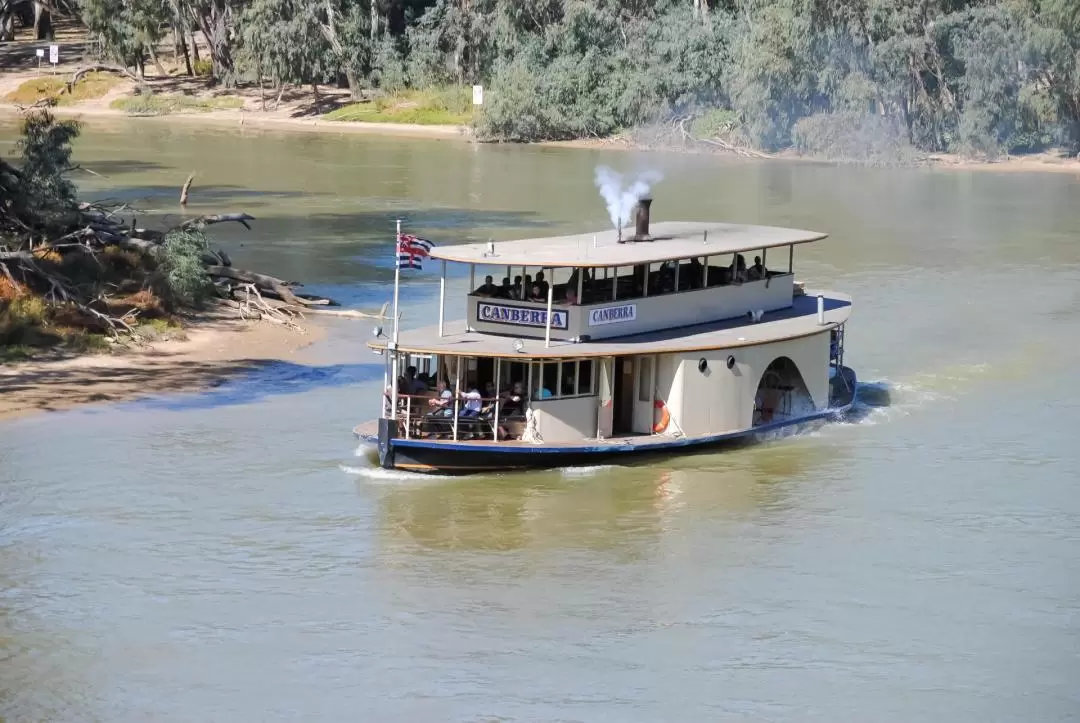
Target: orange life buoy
665,416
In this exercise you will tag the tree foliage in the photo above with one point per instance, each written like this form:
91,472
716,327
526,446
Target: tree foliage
981,76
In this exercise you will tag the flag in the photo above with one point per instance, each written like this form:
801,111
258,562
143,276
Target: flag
410,250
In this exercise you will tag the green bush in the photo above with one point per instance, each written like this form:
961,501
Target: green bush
182,272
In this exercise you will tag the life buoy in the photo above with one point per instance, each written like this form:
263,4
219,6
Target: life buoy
665,416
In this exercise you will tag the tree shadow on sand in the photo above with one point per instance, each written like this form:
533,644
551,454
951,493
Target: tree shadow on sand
167,384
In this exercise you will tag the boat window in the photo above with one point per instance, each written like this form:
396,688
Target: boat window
546,380
568,379
585,377
645,379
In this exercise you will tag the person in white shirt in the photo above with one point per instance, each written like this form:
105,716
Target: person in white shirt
472,402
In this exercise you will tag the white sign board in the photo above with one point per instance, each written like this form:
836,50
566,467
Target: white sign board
613,315
520,316
54,54
478,95
41,52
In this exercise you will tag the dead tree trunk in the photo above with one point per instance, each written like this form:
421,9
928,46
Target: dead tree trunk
43,27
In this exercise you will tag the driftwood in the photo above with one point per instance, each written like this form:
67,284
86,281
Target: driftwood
200,221
98,69
275,288
185,188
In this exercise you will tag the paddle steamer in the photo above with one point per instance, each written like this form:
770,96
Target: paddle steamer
654,340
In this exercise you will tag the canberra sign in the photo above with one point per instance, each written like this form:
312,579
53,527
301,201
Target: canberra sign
613,314
521,316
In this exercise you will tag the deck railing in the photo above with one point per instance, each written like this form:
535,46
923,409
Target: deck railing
416,418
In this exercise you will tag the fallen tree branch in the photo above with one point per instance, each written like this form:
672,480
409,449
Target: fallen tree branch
184,190
99,69
199,221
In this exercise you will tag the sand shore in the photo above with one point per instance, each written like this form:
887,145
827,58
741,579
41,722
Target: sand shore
218,346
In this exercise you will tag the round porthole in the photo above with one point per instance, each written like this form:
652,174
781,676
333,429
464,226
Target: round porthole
702,365
731,362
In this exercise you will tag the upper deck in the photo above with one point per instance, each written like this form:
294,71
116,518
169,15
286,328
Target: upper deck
622,282
667,241
797,321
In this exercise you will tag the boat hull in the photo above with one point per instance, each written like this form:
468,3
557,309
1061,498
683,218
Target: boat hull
449,458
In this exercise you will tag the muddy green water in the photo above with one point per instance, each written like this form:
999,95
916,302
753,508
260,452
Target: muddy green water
225,556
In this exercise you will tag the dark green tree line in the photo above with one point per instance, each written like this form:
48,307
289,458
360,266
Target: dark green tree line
986,76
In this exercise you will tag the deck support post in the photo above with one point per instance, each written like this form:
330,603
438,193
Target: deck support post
495,421
547,326
581,283
442,298
457,392
393,347
791,258
615,283
472,278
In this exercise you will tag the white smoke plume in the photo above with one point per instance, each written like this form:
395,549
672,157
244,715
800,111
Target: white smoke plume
620,201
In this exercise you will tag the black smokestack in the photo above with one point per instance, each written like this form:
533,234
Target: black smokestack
641,219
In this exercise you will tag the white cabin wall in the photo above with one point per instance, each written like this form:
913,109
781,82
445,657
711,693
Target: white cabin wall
566,420
722,400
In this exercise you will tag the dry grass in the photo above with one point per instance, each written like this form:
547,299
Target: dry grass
167,104
435,106
90,86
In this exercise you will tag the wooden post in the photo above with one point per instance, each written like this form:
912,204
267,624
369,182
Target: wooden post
791,258
615,284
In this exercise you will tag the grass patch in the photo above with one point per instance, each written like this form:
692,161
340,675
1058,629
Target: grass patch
16,353
432,106
152,330
170,103
89,87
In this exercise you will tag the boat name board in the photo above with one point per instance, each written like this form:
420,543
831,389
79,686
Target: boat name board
521,316
613,315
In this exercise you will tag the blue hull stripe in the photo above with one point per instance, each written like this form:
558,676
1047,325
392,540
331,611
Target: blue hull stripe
619,448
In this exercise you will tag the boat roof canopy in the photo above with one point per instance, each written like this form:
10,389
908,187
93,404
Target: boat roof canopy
667,241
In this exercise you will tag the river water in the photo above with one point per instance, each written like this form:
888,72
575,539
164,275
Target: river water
226,556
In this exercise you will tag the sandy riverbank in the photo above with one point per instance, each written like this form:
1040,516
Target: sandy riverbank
1050,162
218,346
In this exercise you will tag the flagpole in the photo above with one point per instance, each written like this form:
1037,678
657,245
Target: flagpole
394,345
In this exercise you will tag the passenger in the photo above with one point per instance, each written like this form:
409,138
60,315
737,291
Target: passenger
696,273
757,271
511,406
440,405
473,402
413,384
571,297
516,290
738,274
526,288
511,401
504,291
541,283
488,288
536,295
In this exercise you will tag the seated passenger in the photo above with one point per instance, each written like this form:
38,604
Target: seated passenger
504,291
473,402
488,288
440,404
511,401
757,271
738,273
413,384
541,283
516,290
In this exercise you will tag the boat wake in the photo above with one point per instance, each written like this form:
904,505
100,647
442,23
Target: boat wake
366,466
